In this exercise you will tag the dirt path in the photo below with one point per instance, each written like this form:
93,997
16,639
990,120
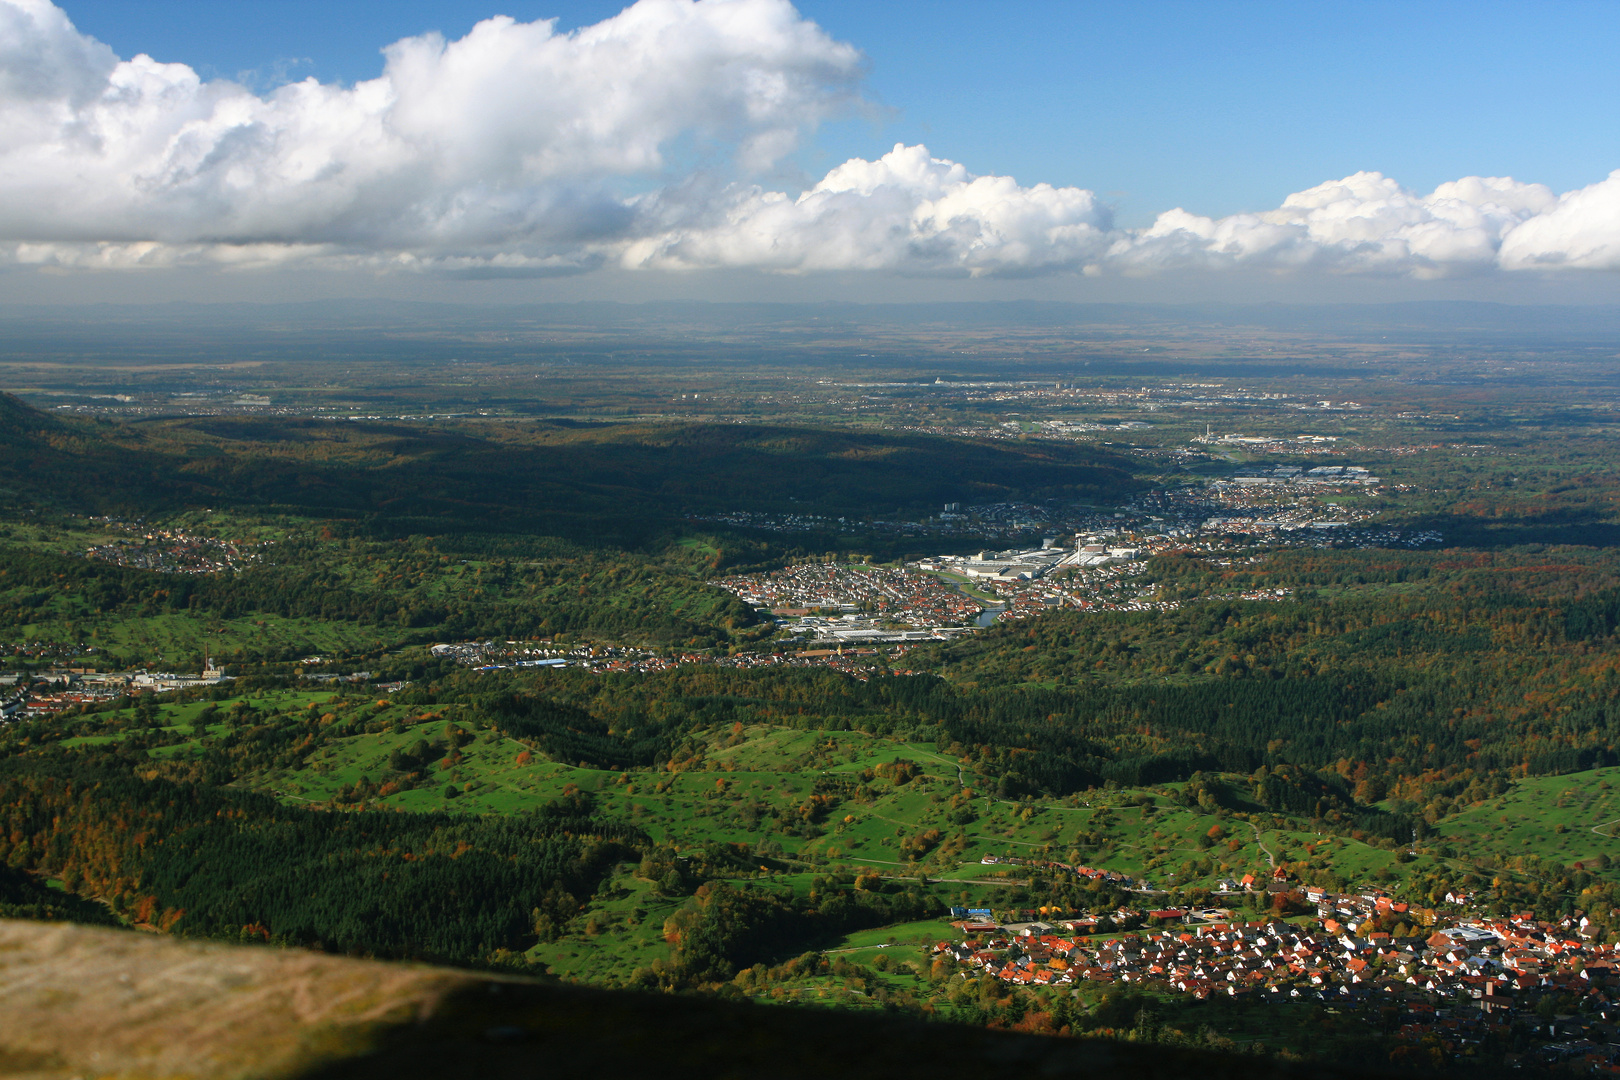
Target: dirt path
961,780
1270,858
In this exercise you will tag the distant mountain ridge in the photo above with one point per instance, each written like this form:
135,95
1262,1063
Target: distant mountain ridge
1440,315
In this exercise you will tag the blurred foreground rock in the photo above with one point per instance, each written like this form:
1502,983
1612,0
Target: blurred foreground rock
79,1001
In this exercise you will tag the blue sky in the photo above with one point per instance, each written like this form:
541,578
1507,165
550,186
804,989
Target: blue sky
1217,108
1107,116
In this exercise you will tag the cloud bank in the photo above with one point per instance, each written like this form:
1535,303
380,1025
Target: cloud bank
519,150
512,141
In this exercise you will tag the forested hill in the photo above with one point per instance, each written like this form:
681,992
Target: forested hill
602,481
67,462
20,423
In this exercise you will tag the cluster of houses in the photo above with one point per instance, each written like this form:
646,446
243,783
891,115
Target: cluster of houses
1094,576
29,697
496,655
1091,590
59,651
1298,474
1269,500
608,659
1028,603
1454,977
889,595
177,552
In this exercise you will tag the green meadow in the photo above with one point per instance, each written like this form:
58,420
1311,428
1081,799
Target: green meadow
1566,819
796,807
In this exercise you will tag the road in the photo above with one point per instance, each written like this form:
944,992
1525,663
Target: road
1270,858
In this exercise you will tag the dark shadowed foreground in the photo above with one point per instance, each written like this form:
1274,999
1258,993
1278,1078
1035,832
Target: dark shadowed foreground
82,1002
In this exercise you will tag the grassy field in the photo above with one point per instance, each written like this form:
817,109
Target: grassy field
808,803
623,930
1566,819
828,799
774,773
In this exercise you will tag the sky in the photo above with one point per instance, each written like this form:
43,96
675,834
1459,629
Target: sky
830,150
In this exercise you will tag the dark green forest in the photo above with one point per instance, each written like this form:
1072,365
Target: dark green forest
597,483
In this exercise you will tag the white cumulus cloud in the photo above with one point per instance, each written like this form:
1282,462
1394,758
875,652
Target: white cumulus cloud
1366,222
910,213
905,212
519,150
509,137
1582,229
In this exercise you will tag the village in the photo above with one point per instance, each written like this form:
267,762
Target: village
173,551
1455,976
